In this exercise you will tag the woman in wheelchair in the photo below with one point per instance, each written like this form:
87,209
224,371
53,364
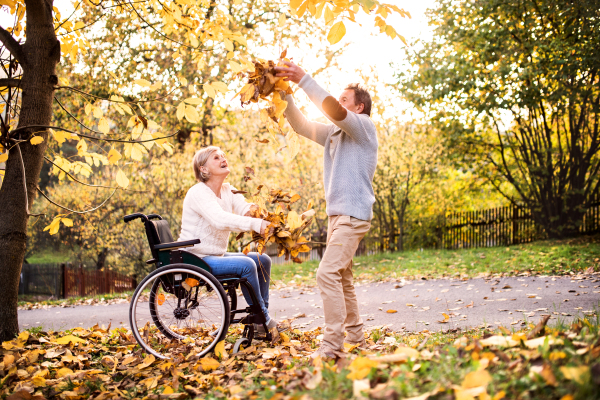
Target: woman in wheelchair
211,210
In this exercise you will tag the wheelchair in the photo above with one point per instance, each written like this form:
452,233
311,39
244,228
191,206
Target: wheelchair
181,308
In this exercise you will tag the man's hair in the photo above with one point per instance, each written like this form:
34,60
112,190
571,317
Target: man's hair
361,95
200,158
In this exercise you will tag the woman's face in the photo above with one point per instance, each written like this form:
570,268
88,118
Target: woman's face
217,165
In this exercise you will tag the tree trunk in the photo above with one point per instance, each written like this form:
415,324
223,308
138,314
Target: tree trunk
38,57
101,261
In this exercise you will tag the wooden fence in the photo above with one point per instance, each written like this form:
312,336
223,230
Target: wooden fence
88,282
65,280
502,226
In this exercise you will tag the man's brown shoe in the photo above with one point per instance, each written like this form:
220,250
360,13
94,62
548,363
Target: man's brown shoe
326,353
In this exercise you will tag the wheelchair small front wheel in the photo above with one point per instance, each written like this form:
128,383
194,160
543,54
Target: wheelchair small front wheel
240,345
179,309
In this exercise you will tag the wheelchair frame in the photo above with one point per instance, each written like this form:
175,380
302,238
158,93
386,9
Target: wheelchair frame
166,251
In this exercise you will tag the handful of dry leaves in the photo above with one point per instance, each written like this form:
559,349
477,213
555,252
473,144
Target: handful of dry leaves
264,85
285,229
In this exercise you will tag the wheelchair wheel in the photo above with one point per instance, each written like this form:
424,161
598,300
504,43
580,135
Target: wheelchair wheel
179,309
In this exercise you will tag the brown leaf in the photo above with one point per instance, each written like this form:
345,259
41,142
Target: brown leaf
239,192
263,141
539,329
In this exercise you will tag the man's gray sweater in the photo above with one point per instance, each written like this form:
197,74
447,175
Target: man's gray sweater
350,155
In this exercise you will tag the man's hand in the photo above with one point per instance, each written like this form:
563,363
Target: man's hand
291,72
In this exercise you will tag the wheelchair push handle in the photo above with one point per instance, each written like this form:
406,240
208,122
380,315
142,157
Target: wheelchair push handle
145,218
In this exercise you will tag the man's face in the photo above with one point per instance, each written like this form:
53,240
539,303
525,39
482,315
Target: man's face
348,102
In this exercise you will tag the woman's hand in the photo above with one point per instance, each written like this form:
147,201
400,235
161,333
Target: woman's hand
263,227
251,211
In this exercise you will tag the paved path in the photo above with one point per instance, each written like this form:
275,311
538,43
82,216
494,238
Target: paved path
419,304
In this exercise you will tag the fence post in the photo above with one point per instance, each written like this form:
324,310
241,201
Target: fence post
515,225
81,282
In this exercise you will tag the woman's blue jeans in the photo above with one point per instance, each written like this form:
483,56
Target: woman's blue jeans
254,267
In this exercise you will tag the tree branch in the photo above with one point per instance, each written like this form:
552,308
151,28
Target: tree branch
10,82
74,211
12,45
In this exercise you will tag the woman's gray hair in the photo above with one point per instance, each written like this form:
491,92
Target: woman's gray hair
200,158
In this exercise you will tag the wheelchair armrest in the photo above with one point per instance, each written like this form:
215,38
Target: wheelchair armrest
176,245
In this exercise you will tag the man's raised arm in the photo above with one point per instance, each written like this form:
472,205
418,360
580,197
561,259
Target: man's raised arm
312,130
350,122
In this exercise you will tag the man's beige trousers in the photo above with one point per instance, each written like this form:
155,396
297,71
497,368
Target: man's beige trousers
334,278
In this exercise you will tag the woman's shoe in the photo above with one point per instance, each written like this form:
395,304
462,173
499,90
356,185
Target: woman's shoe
260,329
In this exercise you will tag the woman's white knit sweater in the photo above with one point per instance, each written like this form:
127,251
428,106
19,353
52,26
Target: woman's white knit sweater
211,219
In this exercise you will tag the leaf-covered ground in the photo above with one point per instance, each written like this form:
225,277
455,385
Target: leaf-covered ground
558,363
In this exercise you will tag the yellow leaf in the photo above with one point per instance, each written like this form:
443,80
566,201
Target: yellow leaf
408,351
360,368
500,395
23,336
209,364
38,381
220,86
67,221
97,112
160,299
147,361
183,81
578,374
36,140
168,390
103,125
53,227
156,86
391,311
88,109
63,372
294,4
137,152
284,337
3,157
122,179
113,156
181,110
328,16
567,397
68,339
210,91
282,19
247,92
220,350
142,82
446,318
193,100
235,67
336,33
228,44
191,114
293,220
476,378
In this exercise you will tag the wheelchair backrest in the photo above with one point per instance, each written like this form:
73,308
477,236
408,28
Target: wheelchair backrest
158,232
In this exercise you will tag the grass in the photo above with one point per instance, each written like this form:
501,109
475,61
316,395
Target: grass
552,257
50,256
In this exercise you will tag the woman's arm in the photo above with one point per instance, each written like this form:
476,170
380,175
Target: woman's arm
204,202
240,205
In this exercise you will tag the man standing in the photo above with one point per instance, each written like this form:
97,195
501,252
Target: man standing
349,163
